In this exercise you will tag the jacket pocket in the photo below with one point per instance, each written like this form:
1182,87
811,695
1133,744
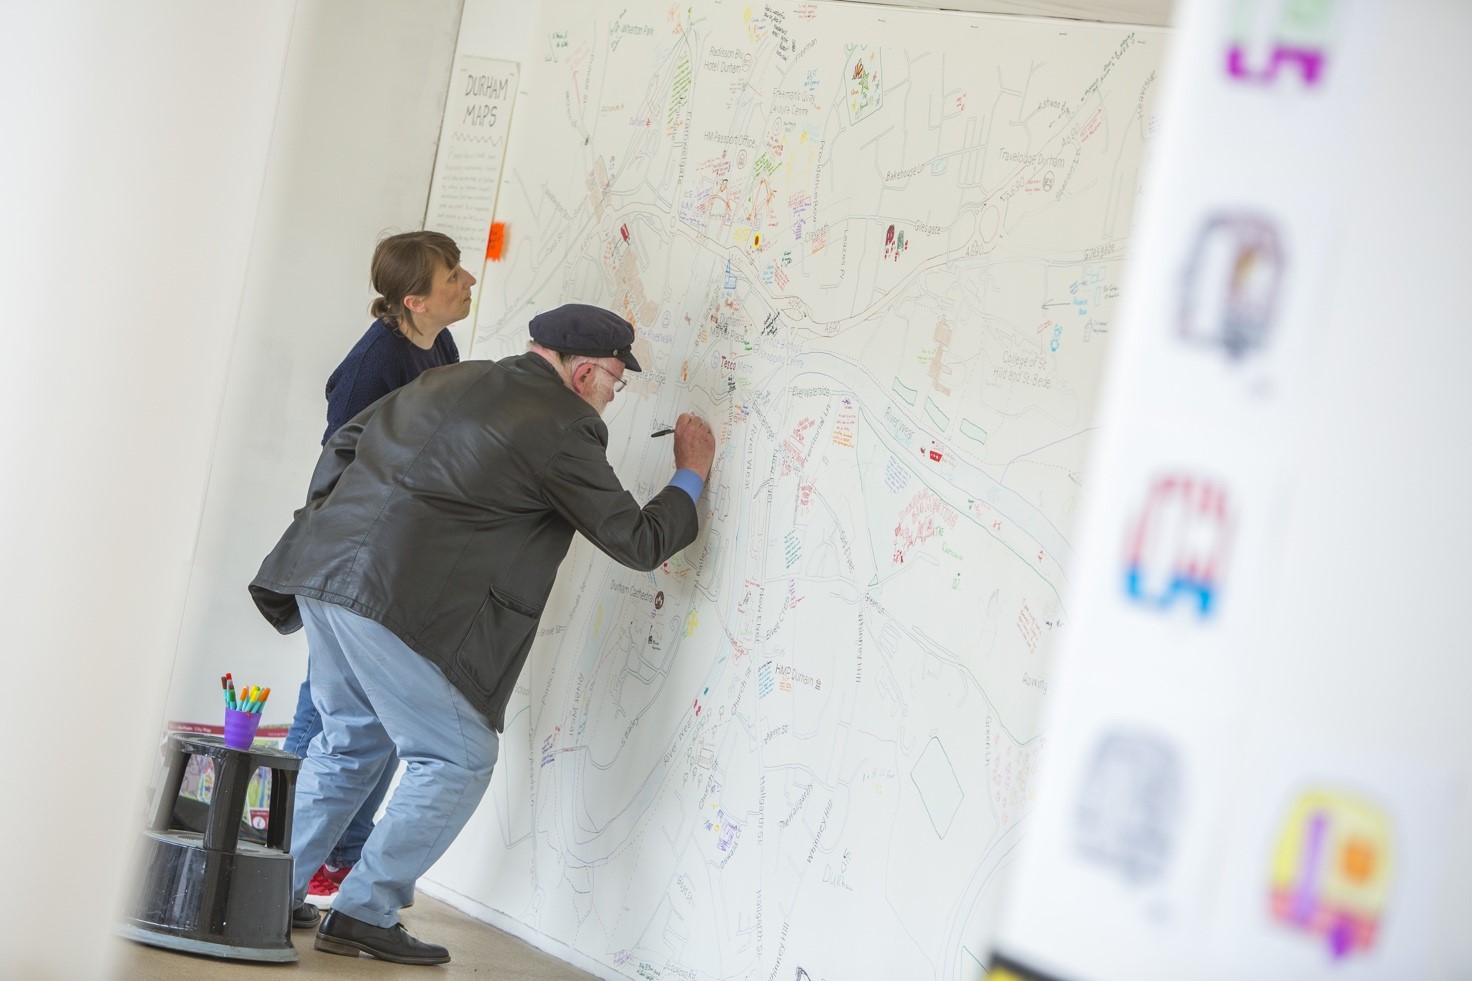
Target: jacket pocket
497,642
515,605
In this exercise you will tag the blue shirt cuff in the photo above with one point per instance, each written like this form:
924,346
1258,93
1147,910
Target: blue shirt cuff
688,481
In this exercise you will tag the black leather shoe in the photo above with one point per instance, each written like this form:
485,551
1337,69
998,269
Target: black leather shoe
341,934
304,916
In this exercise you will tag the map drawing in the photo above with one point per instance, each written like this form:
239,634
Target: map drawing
880,250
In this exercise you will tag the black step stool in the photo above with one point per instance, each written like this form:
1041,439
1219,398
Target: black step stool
212,893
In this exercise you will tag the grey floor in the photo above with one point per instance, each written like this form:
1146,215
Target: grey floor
476,950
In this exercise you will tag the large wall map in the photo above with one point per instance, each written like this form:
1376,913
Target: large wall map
881,251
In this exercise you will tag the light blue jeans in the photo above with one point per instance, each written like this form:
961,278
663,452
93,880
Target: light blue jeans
377,696
304,728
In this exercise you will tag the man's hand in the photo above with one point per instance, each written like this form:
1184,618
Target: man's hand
695,445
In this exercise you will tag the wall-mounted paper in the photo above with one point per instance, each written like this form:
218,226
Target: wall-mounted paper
467,167
881,251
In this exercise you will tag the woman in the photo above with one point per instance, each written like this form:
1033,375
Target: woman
422,290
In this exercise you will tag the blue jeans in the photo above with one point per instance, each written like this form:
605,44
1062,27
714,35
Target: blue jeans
304,728
376,696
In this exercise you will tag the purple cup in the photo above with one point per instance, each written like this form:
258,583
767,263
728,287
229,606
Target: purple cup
240,728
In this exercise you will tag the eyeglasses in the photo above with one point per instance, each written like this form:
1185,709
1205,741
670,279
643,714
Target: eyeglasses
618,381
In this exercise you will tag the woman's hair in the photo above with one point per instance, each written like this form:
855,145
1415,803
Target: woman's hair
404,265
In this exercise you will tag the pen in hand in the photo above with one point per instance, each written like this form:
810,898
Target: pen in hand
660,432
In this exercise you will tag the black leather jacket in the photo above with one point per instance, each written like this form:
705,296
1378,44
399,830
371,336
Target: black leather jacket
443,510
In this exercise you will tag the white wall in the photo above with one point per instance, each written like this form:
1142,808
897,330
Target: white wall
136,140
350,159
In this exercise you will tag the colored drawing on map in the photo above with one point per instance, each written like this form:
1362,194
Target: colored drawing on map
865,97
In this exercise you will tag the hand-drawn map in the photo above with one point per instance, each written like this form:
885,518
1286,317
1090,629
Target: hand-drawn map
880,250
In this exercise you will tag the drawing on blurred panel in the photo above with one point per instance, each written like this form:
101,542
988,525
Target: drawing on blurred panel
881,251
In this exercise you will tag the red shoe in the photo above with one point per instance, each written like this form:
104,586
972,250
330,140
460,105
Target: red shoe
324,885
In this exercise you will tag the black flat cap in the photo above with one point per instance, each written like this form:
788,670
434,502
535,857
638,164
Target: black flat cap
577,328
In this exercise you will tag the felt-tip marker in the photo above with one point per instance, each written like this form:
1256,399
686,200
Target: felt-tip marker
660,432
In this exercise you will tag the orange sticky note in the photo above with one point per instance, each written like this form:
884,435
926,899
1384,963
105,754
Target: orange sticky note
496,243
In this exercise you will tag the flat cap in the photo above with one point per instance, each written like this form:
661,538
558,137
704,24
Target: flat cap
577,328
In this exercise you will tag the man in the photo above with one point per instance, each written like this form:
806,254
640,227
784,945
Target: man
431,537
